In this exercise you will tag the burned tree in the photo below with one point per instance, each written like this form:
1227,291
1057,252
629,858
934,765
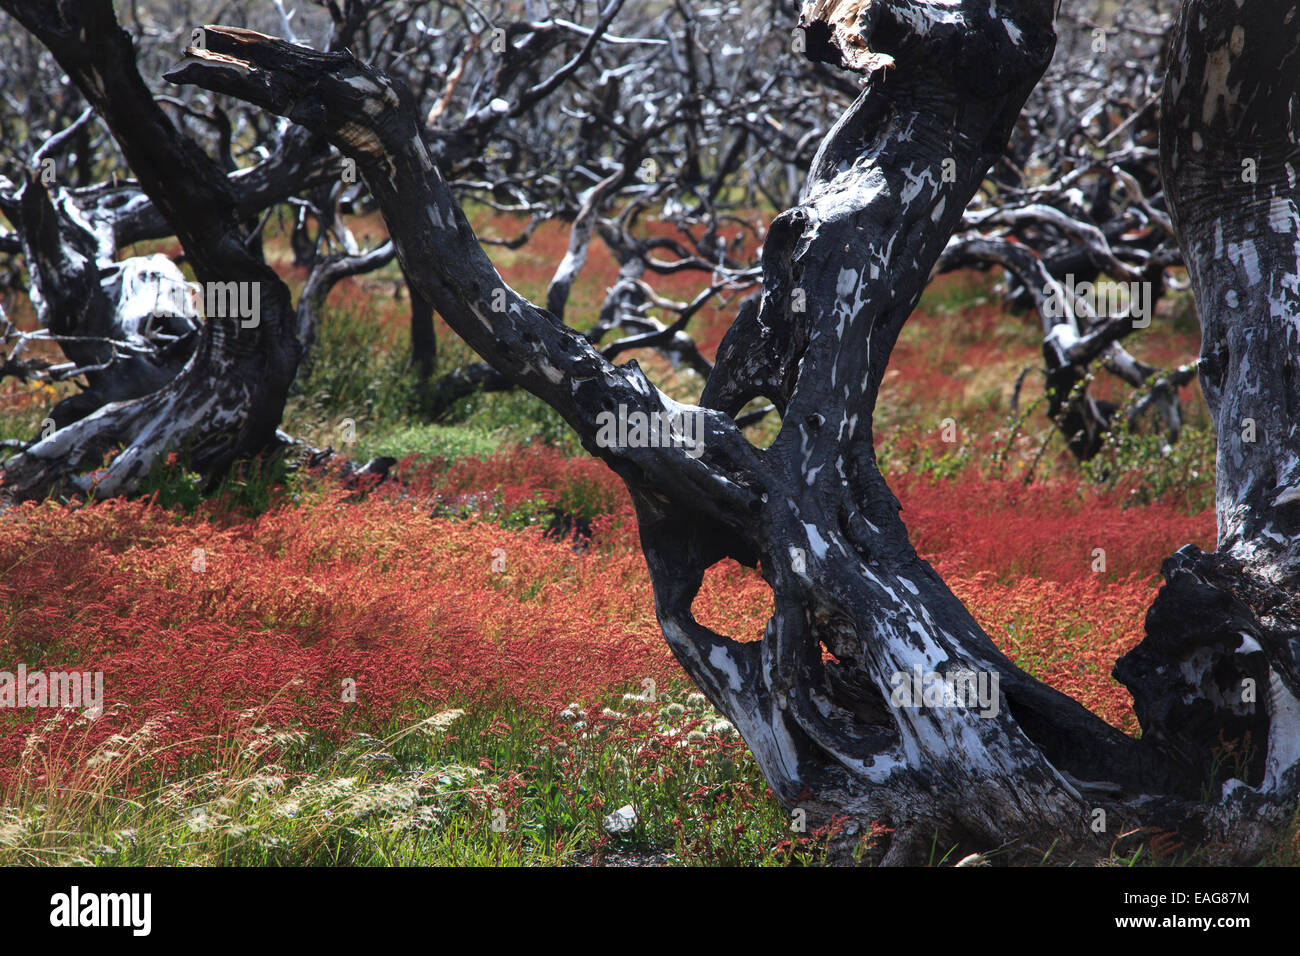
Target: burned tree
230,394
686,110
856,610
479,74
1075,216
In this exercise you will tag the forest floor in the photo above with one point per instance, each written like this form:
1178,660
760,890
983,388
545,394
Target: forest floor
426,672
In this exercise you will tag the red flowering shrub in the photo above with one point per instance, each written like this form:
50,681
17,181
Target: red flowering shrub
579,485
1067,634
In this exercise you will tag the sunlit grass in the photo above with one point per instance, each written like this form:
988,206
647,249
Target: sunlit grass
479,785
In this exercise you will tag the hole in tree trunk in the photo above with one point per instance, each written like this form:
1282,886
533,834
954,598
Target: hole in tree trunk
761,431
734,600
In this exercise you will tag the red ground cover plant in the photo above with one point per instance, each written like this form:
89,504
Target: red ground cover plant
207,627
532,471
1060,578
1047,530
291,604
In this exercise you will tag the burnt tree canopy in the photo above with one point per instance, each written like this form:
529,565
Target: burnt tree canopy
629,99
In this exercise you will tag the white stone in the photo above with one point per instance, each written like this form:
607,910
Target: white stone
621,820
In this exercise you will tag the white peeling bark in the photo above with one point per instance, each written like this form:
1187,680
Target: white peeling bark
1231,159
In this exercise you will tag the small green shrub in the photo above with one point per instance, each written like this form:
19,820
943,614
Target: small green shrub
249,488
1148,468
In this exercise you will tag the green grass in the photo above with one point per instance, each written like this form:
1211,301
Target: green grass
483,785
358,395
489,785
427,442
518,417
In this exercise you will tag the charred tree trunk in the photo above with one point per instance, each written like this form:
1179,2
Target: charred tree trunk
130,326
229,397
859,617
424,341
1230,159
1073,340
1221,658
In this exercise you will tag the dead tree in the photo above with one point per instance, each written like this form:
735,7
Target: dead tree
665,94
230,394
842,271
485,73
1076,206
158,380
